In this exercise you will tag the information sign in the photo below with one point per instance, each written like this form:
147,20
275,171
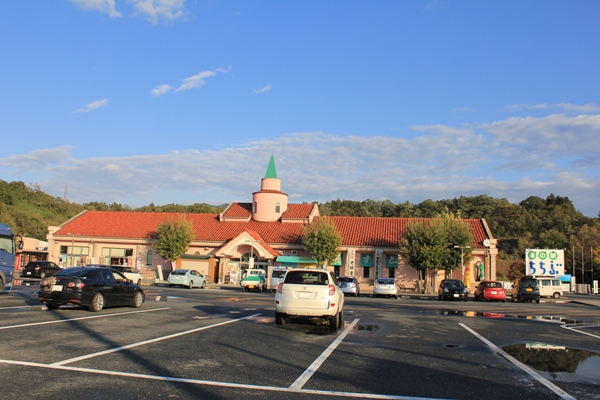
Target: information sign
544,262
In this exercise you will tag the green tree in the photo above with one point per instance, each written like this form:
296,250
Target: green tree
429,245
516,270
322,239
172,238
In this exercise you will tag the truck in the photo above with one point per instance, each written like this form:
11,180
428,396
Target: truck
254,279
8,253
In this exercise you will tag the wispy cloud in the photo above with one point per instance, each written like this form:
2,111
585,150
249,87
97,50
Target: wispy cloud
94,105
104,6
195,80
161,89
156,10
263,90
566,107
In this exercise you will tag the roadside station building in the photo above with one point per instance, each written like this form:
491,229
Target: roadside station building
266,232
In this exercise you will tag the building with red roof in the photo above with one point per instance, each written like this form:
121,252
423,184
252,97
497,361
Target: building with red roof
264,233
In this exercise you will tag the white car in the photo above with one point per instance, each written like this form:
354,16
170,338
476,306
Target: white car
385,287
129,272
312,293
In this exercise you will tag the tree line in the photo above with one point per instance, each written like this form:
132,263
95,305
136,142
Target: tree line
535,222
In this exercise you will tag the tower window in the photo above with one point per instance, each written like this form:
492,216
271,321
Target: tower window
255,207
277,208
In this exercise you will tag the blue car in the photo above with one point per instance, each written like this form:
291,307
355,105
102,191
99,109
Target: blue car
186,277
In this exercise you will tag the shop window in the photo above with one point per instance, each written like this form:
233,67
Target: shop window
149,259
366,272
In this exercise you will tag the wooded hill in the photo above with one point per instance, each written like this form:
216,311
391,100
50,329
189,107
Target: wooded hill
552,222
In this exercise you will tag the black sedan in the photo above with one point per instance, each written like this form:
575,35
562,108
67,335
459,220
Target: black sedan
453,289
90,287
40,269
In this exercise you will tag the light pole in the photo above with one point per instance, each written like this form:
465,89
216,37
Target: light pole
461,258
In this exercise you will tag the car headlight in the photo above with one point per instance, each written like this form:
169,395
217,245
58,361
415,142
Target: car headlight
446,290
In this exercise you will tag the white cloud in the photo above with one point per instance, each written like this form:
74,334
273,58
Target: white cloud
161,89
105,6
155,10
195,80
566,107
94,105
263,90
513,158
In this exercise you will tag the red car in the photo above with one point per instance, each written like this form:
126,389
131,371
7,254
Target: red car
490,290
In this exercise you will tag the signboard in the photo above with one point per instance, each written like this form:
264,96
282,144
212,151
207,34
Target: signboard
378,263
544,262
351,261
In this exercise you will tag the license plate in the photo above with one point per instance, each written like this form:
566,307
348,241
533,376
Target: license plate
494,292
250,286
455,295
304,295
529,289
57,288
28,273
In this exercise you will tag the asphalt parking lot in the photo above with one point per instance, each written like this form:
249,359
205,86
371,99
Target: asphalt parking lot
224,344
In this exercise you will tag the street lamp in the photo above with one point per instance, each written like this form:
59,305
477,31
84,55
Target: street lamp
461,258
251,260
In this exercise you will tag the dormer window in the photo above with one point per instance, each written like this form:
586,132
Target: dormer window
277,208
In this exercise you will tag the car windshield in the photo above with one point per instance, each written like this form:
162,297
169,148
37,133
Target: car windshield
385,281
307,277
278,274
179,272
529,283
79,273
493,284
457,284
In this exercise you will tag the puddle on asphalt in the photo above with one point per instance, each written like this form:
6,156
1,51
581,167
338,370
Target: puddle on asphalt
560,320
558,362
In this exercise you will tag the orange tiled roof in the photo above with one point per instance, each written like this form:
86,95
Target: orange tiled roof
356,231
298,211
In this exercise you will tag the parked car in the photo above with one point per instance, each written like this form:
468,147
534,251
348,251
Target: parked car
526,289
349,285
186,277
490,290
385,287
90,287
453,289
312,293
129,272
275,278
40,269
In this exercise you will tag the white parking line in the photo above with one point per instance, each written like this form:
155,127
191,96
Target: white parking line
78,319
575,329
129,346
531,372
301,381
217,384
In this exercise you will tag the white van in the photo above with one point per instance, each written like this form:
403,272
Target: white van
550,287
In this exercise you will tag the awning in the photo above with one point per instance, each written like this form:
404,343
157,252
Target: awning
295,260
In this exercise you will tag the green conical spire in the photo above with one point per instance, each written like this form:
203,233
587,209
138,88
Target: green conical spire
271,172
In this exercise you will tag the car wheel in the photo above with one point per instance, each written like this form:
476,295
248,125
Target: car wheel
203,285
42,275
279,318
191,285
538,301
396,296
139,282
341,320
556,295
504,301
466,298
138,299
97,302
52,306
334,321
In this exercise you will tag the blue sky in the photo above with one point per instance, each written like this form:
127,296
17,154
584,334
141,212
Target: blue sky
175,101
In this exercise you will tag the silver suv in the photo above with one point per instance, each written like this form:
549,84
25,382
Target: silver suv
312,293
